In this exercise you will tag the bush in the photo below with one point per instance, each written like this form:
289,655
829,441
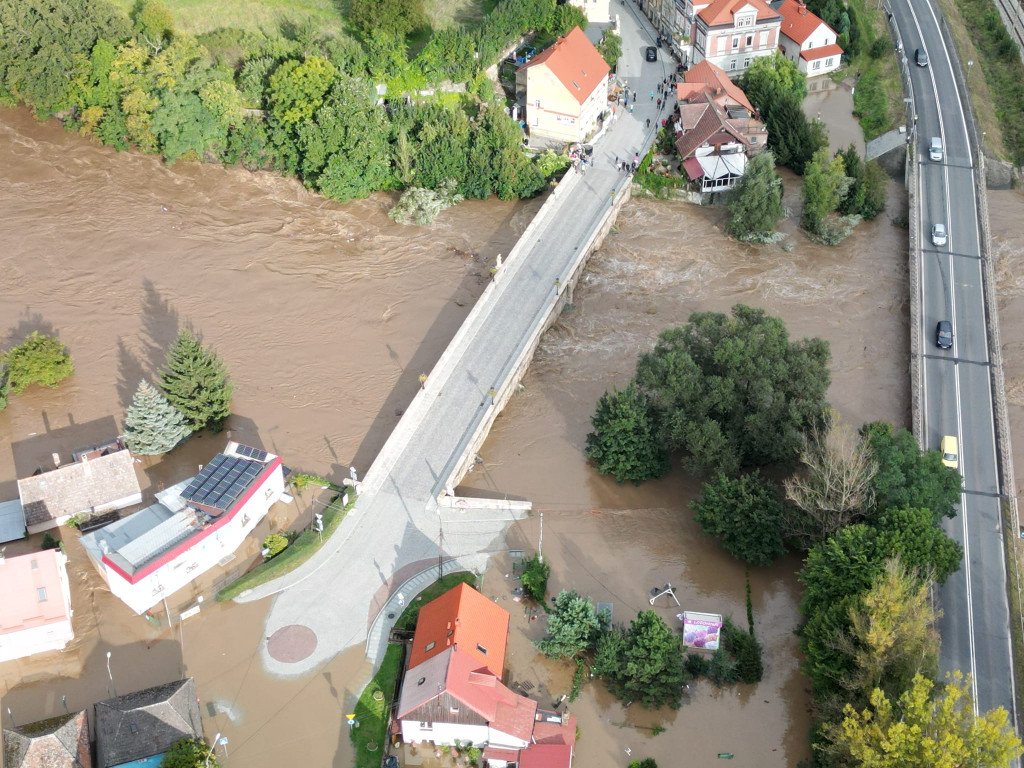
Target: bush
878,48
745,649
189,753
49,542
40,359
696,664
276,543
421,206
745,515
535,578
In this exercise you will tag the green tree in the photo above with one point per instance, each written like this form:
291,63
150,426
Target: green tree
189,753
745,515
297,89
196,383
867,191
496,163
755,204
40,359
768,78
45,44
744,648
824,186
535,578
573,626
790,135
398,16
185,127
623,443
565,18
152,425
649,668
154,23
908,476
734,391
929,727
610,48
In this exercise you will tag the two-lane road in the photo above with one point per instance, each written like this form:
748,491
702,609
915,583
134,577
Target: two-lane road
957,397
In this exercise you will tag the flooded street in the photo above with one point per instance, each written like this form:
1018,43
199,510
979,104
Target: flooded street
325,316
832,103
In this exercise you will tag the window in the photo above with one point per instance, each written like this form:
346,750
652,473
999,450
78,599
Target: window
817,64
35,565
421,681
450,633
430,646
536,103
746,63
736,41
750,40
828,62
481,649
753,139
41,594
426,727
732,64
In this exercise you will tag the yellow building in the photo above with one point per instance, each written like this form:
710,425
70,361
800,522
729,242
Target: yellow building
566,89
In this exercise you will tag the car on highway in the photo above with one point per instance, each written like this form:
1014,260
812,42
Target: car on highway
944,334
950,451
939,235
935,149
920,57
652,53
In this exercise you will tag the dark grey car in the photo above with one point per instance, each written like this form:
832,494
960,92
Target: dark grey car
944,334
921,58
652,53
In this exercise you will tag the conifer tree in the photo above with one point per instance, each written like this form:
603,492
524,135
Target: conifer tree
196,383
152,425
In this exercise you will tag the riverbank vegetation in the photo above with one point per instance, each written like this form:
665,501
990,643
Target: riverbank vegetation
39,359
865,511
342,112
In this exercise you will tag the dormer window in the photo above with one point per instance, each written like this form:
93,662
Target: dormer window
430,646
451,632
577,85
481,649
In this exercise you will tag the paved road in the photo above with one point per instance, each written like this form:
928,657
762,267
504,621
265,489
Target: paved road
957,396
396,526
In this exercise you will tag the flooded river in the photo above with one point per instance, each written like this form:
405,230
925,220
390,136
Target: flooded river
326,315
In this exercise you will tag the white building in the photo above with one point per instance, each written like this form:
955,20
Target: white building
595,10
732,33
35,607
806,40
148,556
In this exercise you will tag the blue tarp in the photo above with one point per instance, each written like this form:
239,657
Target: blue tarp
146,762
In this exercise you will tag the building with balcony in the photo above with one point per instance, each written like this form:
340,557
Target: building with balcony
732,33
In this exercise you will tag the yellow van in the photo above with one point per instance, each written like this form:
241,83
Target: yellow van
950,451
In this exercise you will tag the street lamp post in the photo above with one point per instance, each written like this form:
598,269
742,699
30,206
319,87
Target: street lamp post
212,747
111,675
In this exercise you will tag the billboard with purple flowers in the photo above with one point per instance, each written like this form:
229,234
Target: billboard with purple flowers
701,630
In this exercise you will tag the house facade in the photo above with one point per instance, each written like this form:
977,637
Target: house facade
35,611
565,88
98,480
195,525
806,40
733,33
598,11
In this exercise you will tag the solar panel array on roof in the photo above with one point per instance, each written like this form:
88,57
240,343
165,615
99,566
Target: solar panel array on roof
222,481
252,453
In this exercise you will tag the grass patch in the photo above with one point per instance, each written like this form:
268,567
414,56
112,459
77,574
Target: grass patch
373,714
198,16
408,618
878,94
997,90
295,555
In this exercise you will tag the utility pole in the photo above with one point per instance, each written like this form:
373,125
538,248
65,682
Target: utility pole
440,547
540,544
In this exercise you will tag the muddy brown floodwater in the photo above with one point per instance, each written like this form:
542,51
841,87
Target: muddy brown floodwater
617,542
326,315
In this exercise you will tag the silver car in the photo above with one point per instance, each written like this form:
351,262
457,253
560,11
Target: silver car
939,235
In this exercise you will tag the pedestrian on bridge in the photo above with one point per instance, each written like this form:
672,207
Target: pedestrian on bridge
659,104
652,95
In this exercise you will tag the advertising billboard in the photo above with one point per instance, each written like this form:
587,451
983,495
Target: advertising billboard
701,630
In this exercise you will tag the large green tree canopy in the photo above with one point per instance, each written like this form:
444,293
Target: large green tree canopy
734,391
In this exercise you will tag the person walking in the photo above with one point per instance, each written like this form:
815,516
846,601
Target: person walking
648,122
631,109
659,104
652,95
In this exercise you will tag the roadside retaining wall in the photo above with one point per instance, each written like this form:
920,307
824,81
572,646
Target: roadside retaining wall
916,320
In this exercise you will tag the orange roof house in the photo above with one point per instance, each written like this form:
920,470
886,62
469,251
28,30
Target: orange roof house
706,76
565,88
734,33
462,618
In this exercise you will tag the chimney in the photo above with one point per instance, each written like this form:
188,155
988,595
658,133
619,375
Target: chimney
56,460
803,7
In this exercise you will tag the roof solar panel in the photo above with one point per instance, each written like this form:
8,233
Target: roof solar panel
252,453
222,481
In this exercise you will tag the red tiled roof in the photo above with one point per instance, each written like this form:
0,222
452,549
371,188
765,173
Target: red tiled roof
798,23
820,53
496,753
516,717
693,169
546,756
713,127
721,12
576,63
707,73
555,733
462,618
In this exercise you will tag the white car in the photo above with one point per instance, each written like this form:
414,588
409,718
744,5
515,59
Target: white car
939,234
935,149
